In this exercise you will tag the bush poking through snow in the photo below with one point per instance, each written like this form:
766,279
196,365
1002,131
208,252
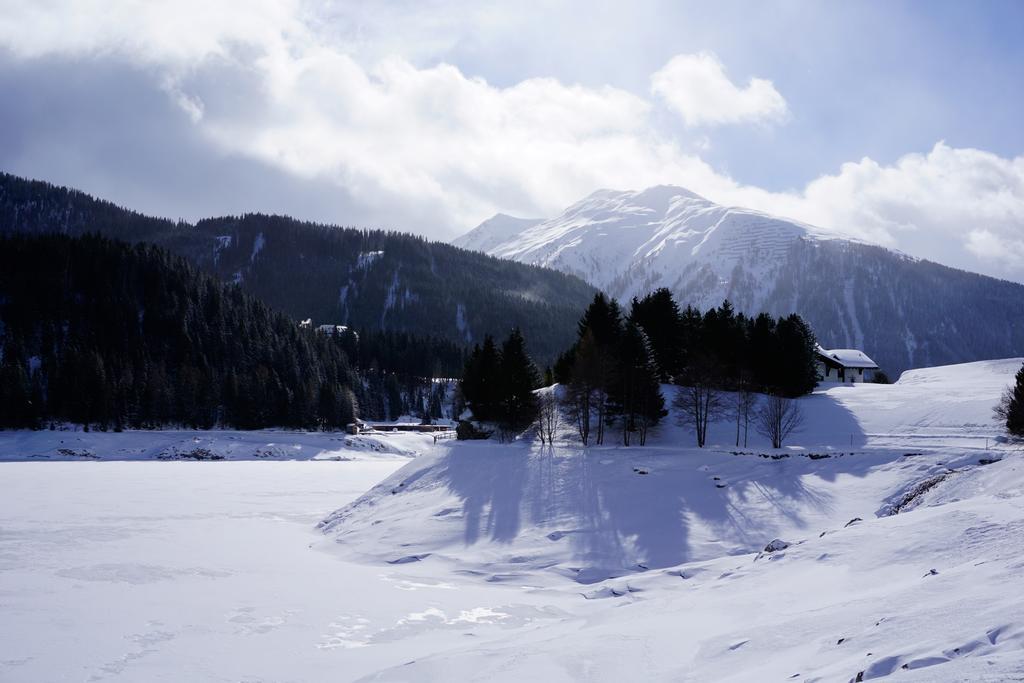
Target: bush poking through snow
466,431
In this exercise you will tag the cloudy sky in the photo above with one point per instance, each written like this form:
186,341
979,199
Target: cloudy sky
894,122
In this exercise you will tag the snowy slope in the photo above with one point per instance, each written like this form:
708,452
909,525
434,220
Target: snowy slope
901,548
550,505
904,312
858,603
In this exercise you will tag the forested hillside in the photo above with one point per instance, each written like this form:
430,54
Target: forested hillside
366,279
111,335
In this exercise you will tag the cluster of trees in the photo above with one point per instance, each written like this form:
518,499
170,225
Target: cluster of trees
1010,409
404,353
498,384
101,333
110,335
612,374
402,373
385,395
718,359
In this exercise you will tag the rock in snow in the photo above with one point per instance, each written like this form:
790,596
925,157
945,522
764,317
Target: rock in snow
775,546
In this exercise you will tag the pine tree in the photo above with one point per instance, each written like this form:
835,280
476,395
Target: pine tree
518,379
602,321
480,380
638,393
659,316
1015,406
763,353
798,361
393,396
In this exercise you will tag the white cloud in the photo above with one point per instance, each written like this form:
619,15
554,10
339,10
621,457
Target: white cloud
272,85
697,88
959,206
168,34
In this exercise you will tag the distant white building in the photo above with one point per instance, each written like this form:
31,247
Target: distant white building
331,329
843,366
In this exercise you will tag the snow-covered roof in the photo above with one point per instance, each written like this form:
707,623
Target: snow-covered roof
848,358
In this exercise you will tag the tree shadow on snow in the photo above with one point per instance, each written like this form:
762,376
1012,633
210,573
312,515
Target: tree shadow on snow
616,520
491,484
827,422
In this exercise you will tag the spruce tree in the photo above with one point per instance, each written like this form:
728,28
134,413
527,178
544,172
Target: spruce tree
797,358
480,381
393,395
659,316
518,378
638,392
602,321
1015,406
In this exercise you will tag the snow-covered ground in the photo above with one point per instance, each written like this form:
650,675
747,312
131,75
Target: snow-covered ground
65,446
481,561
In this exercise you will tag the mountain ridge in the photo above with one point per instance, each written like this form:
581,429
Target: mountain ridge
369,279
908,312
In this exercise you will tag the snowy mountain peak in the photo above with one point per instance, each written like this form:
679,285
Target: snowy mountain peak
657,199
854,294
493,232
628,242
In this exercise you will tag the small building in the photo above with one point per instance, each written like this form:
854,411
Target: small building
331,329
843,366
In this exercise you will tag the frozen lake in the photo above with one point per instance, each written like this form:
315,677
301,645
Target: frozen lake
489,562
178,571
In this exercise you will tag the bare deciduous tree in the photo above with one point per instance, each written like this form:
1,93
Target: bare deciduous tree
647,417
699,403
548,417
578,403
743,404
1001,410
778,418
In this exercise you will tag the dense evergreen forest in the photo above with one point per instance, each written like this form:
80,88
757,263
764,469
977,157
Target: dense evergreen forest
612,374
112,335
97,332
370,280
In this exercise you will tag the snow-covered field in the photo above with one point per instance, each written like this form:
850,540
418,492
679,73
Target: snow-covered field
477,561
65,446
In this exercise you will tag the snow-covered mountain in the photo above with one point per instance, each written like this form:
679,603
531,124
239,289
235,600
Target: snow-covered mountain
495,231
906,312
628,243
